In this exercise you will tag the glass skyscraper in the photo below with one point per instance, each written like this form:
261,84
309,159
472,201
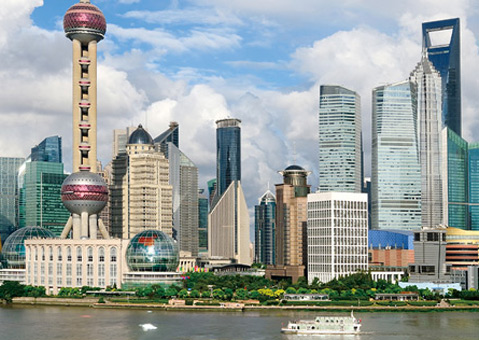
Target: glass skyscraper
172,135
202,222
42,202
396,170
228,154
49,150
446,58
340,158
265,228
427,81
8,195
473,177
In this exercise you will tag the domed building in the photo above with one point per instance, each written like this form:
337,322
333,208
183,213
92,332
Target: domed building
13,250
141,196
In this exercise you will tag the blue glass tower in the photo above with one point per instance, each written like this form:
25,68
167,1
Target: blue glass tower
49,150
265,229
446,58
228,153
396,168
473,186
172,135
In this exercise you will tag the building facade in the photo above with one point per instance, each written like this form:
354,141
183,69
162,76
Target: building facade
140,194
396,167
427,81
337,235
202,222
49,150
265,228
445,55
340,144
9,192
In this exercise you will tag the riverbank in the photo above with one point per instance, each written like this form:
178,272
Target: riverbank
93,303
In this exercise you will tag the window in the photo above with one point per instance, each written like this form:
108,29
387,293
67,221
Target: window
69,254
79,274
50,253
79,255
59,254
101,254
90,254
113,254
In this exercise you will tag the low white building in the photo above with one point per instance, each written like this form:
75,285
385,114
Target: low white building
337,234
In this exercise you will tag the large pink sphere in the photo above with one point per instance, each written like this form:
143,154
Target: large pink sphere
85,22
84,191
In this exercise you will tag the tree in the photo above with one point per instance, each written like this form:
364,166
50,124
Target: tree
183,294
206,294
241,294
11,289
194,294
290,290
228,294
171,292
218,294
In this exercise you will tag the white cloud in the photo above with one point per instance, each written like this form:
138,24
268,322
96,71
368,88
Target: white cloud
128,2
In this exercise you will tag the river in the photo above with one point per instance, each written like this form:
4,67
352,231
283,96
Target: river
79,323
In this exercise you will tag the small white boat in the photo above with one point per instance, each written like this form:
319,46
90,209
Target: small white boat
324,325
148,327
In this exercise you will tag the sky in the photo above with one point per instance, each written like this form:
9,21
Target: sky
195,62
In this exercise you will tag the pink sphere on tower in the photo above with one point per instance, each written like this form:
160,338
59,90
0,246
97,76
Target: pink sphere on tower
85,22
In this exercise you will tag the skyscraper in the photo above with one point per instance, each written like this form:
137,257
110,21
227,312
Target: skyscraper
228,220
85,26
428,84
340,159
265,228
445,55
228,154
172,135
141,196
202,222
49,150
396,169
8,195
120,139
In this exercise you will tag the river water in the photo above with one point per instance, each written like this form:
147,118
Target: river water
78,323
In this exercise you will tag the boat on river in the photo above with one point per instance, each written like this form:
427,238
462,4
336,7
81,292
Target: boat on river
324,325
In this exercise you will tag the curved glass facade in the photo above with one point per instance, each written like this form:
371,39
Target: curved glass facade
152,251
13,250
228,154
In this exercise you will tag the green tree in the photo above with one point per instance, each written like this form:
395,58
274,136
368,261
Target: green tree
183,294
171,292
194,294
228,294
11,289
290,290
206,294
218,294
241,294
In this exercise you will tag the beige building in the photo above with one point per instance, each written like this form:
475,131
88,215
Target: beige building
228,226
291,218
141,197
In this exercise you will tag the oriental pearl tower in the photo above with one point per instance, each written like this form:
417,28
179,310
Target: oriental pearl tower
84,193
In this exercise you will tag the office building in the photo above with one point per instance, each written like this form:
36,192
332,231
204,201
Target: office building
427,81
390,250
442,42
291,219
337,235
172,135
120,139
265,228
9,167
41,203
340,145
396,167
202,222
49,150
473,185
140,193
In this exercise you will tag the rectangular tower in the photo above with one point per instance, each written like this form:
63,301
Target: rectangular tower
9,167
340,163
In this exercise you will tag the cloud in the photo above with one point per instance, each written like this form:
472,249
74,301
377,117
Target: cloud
128,2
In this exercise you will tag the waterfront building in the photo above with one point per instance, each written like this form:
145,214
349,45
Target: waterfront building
445,55
340,144
427,81
140,193
9,167
228,154
396,166
183,178
202,222
337,235
41,203
291,219
265,228
49,150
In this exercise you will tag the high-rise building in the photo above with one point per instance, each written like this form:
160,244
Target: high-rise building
396,169
228,154
42,202
141,197
428,84
228,220
337,235
442,42
120,139
211,190
49,150
264,227
340,158
291,220
473,187
9,167
183,178
202,222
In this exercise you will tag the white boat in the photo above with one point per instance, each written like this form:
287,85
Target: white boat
148,327
324,325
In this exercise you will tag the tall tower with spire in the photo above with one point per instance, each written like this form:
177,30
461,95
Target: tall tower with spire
84,193
85,26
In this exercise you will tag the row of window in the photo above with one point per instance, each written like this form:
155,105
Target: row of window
49,253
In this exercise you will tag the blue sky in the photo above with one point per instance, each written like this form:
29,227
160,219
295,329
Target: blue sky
194,62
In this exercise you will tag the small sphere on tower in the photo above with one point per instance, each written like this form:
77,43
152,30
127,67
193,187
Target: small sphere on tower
84,192
84,22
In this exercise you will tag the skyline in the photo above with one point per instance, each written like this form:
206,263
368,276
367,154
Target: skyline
206,60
